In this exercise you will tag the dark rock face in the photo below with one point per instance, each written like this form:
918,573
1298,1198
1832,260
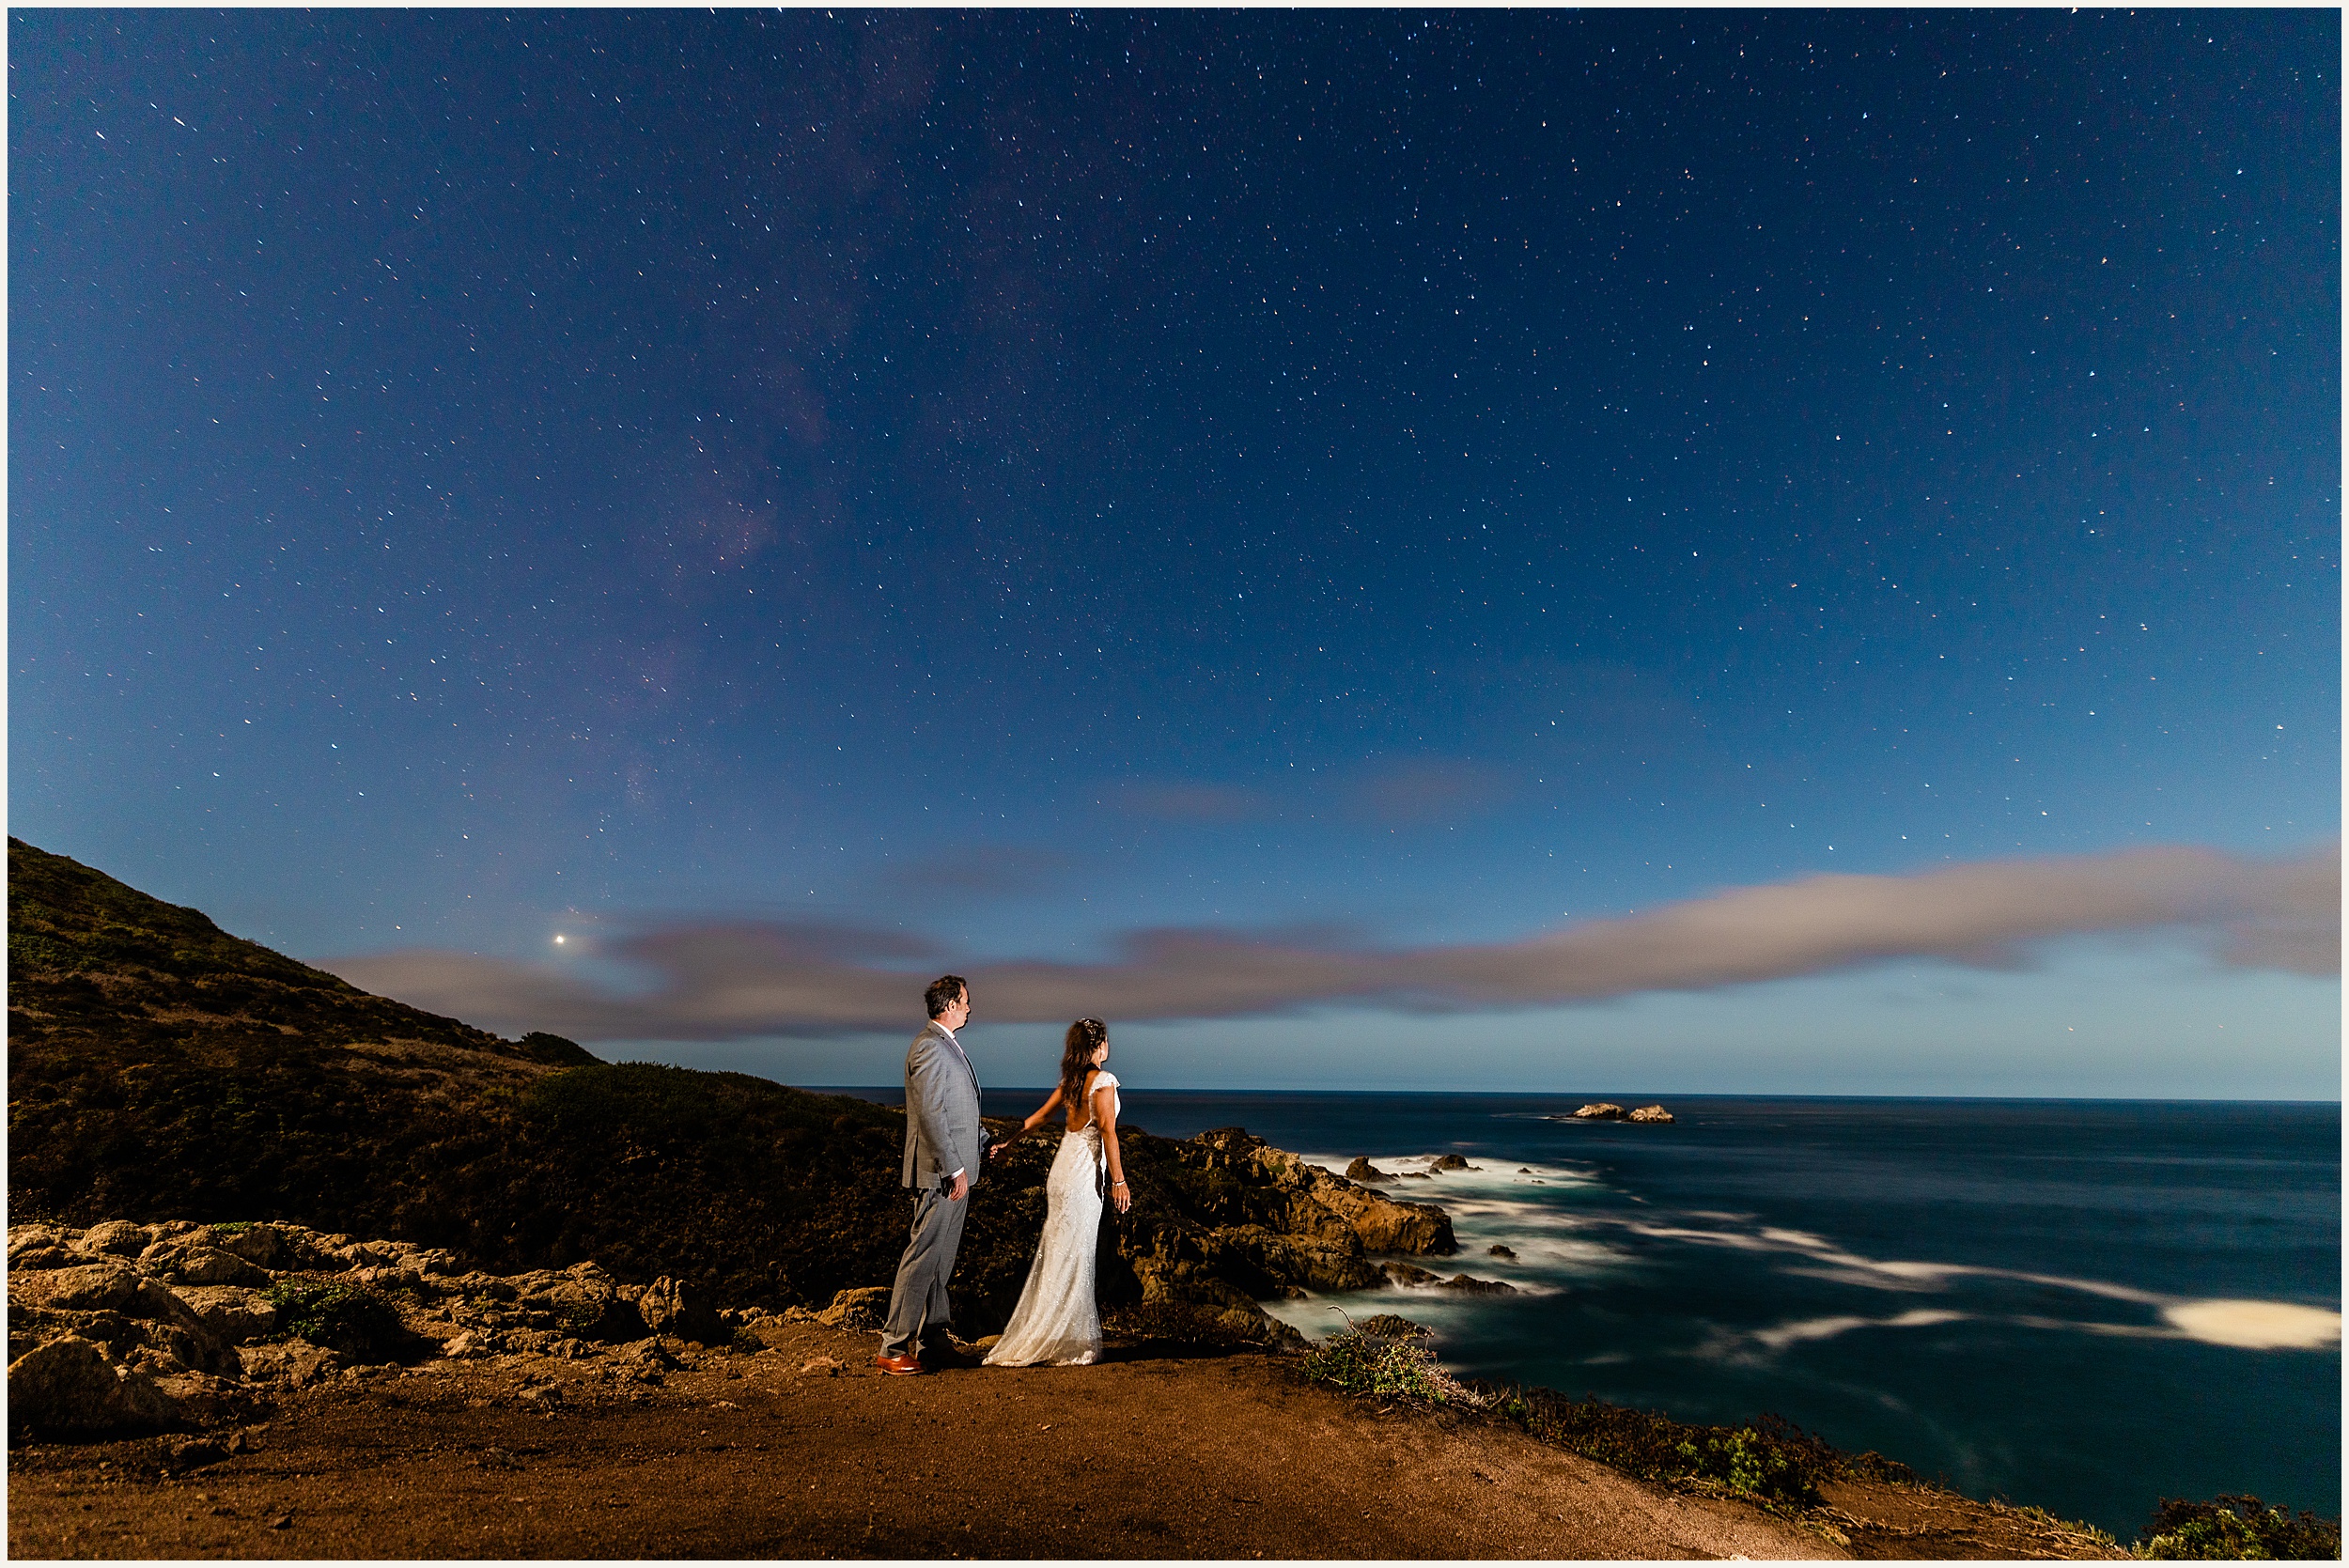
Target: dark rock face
1450,1162
1504,1253
1467,1286
1219,1221
1361,1170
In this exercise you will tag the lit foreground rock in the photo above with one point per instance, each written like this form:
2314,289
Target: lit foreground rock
174,1325
127,1328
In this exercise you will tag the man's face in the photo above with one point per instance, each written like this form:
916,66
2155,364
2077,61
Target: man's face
957,1011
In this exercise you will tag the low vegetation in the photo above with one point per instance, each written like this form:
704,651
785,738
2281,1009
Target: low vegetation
1384,1362
337,1315
2236,1528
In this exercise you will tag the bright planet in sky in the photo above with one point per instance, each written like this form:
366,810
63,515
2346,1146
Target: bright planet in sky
1635,550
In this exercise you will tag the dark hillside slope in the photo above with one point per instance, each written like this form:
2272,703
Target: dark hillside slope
162,1069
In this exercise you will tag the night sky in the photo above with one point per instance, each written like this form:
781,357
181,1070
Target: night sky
1619,551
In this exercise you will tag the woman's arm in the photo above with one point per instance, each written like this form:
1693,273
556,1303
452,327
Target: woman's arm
1105,1112
1027,1127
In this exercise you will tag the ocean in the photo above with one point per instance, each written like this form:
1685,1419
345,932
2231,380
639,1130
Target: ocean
2087,1305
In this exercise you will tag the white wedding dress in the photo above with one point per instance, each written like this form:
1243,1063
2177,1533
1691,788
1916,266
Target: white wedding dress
1057,1321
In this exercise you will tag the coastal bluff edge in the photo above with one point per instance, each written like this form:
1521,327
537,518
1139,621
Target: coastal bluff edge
265,1225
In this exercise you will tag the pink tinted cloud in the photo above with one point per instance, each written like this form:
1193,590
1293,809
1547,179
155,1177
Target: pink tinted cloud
740,979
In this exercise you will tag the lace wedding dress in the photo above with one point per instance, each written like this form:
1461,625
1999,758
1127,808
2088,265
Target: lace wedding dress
1057,1321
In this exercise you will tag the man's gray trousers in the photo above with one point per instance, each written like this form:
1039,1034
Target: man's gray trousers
919,1311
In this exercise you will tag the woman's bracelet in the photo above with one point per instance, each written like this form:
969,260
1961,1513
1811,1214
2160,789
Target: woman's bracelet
1119,1182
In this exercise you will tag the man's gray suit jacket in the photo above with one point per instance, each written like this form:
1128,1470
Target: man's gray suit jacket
943,1129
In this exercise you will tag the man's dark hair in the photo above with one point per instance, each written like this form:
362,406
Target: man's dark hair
943,993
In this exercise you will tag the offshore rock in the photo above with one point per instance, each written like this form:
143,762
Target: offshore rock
1650,1113
1601,1110
1363,1171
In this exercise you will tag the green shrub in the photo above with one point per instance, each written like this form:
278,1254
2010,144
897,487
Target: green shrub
2236,1527
339,1316
1390,1366
1770,1462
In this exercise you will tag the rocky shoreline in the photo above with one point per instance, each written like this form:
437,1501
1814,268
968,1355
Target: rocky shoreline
261,1391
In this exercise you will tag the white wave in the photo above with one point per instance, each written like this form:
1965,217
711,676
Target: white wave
2255,1324
1832,1262
1805,1329
1481,1174
2240,1324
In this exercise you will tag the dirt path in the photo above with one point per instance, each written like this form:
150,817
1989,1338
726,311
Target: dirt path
1153,1455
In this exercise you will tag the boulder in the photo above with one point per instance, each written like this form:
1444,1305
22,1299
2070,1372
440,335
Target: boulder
211,1265
1451,1162
1363,1171
1650,1113
1390,1326
666,1310
1409,1274
68,1385
1600,1111
35,1239
1503,1254
43,1257
1467,1286
263,1246
236,1314
863,1309
296,1362
106,1286
118,1237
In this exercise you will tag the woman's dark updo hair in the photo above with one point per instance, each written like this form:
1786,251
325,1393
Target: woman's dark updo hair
1085,1037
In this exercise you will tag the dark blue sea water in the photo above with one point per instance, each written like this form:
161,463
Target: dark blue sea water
2085,1305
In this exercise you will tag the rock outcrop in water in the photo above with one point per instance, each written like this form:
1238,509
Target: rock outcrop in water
1606,1111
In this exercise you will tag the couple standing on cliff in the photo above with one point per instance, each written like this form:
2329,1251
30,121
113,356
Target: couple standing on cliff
1057,1321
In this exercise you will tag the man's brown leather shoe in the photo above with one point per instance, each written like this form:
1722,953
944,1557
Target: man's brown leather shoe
904,1364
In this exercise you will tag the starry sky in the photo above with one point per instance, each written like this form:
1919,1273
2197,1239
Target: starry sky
1617,552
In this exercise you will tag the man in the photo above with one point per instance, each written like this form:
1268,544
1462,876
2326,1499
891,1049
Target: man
943,1145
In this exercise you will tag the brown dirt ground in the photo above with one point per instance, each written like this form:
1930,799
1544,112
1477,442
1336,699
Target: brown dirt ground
1155,1453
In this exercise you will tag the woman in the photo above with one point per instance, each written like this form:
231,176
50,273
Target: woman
1057,1320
